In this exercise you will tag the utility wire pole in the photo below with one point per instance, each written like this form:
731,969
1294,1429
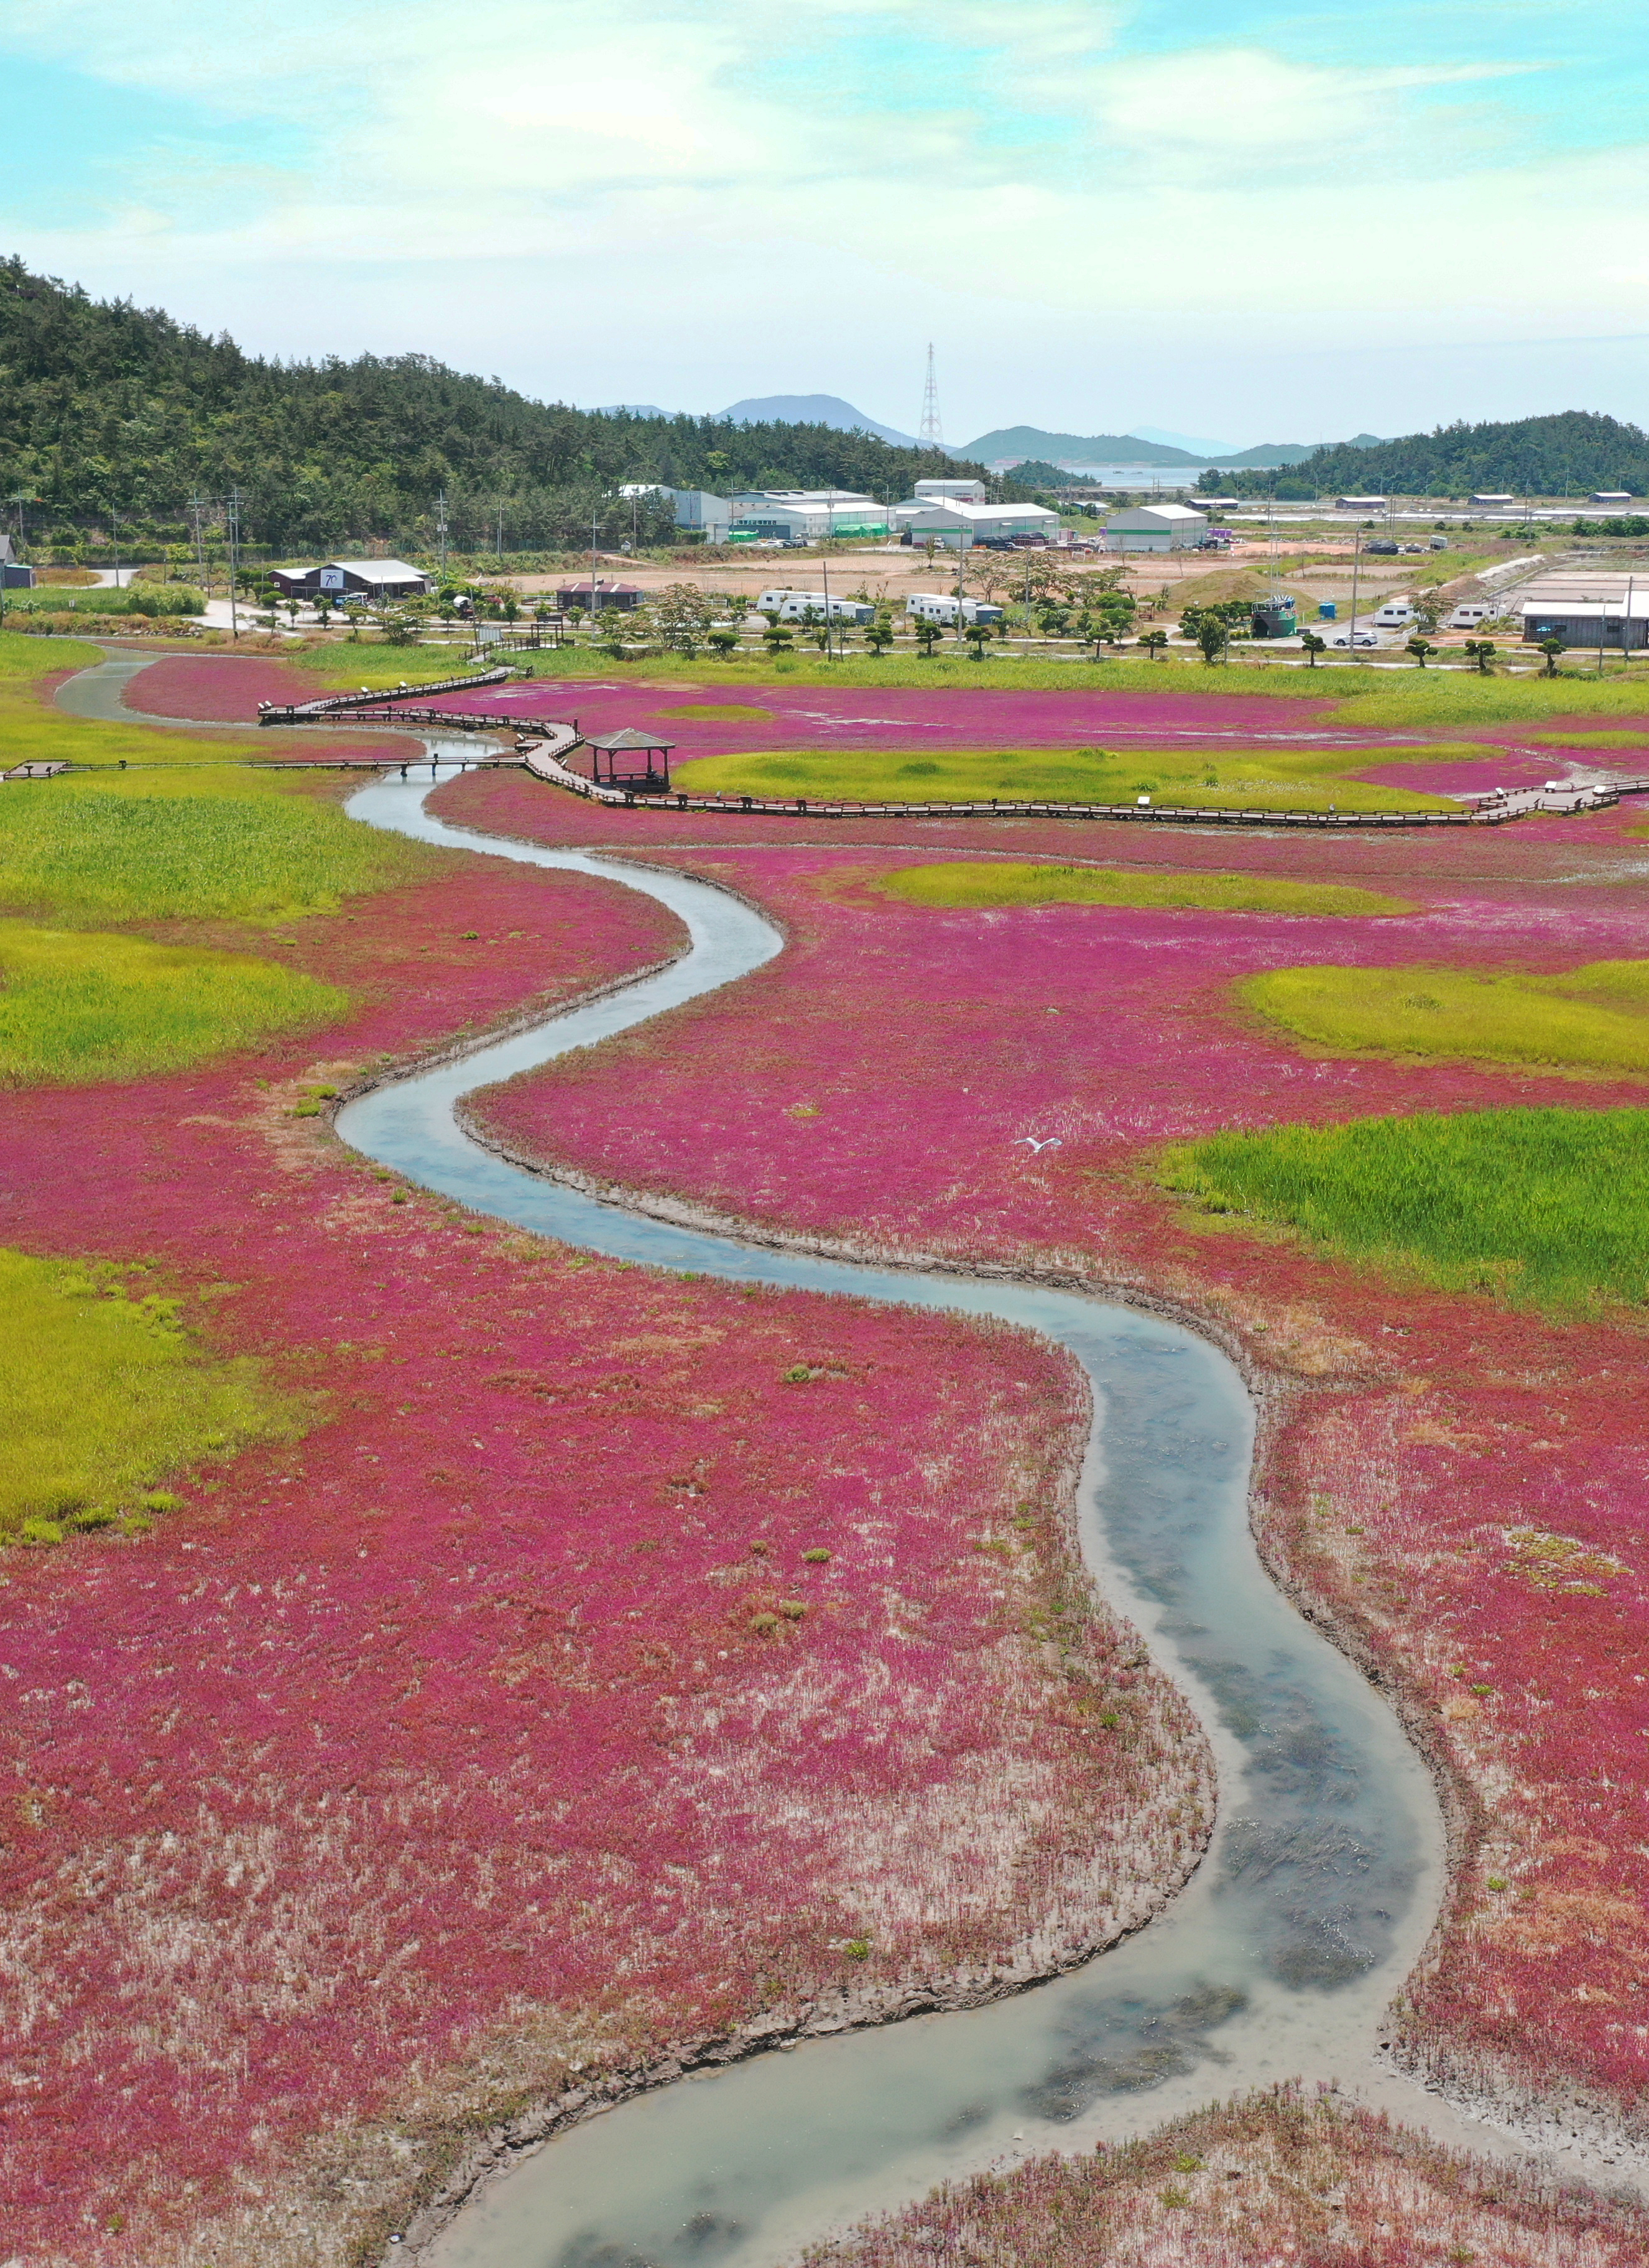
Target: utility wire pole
440,530
232,517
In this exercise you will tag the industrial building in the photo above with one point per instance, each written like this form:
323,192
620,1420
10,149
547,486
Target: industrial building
1611,496
951,492
696,510
341,580
1587,609
1155,527
798,515
1359,503
958,526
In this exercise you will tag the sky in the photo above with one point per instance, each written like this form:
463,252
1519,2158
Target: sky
1223,218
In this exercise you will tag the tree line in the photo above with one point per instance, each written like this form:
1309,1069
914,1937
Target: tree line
108,409
1570,453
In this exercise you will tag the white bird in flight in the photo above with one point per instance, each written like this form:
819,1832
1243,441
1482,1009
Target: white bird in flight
1052,1143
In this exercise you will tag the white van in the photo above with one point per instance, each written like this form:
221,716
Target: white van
789,606
940,606
1472,615
1393,616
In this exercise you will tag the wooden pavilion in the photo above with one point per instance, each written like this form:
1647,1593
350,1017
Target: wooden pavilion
629,760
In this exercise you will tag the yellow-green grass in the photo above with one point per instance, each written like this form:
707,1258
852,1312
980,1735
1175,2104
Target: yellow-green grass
77,1006
721,712
1011,882
198,843
1308,778
1594,1018
23,659
1544,1208
104,1396
1607,737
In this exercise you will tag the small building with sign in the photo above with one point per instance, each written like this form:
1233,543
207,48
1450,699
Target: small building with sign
341,580
602,596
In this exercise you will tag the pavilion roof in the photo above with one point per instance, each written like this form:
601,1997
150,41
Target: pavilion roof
626,738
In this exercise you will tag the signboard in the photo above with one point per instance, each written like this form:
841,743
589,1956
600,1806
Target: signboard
332,578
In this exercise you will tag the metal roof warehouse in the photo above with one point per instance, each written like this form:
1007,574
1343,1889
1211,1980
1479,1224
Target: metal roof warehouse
352,578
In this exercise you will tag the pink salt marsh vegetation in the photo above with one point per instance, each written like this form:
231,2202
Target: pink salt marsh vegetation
1252,2185
512,1729
1456,1485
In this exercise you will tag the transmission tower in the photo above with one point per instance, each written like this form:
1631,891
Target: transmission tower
932,433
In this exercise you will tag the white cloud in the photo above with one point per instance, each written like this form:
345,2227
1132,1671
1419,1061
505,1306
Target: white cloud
634,205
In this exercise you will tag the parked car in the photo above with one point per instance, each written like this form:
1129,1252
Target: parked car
1348,638
1387,550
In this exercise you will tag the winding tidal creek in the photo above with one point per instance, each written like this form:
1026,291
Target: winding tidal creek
1278,1960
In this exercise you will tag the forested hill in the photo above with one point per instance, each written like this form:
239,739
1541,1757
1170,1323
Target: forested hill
109,407
1568,454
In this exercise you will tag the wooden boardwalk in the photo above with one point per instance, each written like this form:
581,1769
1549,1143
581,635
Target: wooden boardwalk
543,744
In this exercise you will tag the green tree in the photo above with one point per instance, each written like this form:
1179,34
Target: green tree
776,637
1154,641
978,636
1311,645
723,644
684,616
1552,647
1214,638
1482,651
1420,648
880,636
928,636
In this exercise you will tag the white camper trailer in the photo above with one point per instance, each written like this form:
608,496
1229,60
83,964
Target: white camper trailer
940,606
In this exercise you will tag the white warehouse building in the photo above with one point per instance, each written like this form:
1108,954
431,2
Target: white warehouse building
959,526
711,516
1155,527
805,515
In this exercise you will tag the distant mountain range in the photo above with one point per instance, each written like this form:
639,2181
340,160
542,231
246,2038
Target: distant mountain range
815,409
1152,446
1129,449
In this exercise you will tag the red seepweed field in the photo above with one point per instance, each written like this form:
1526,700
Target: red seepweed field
1458,1484
612,1661
501,1730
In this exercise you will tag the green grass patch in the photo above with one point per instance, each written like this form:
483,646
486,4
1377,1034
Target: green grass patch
1545,1208
197,842
77,1006
986,882
23,659
1607,737
1594,1018
1306,778
721,712
104,1396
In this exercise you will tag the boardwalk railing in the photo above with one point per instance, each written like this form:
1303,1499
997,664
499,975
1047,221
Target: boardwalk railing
544,745
333,704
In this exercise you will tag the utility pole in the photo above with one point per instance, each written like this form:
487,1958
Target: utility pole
440,530
115,525
196,507
232,517
500,535
824,569
1357,562
595,601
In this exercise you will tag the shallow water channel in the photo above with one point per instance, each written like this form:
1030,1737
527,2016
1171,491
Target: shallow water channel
1280,1958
